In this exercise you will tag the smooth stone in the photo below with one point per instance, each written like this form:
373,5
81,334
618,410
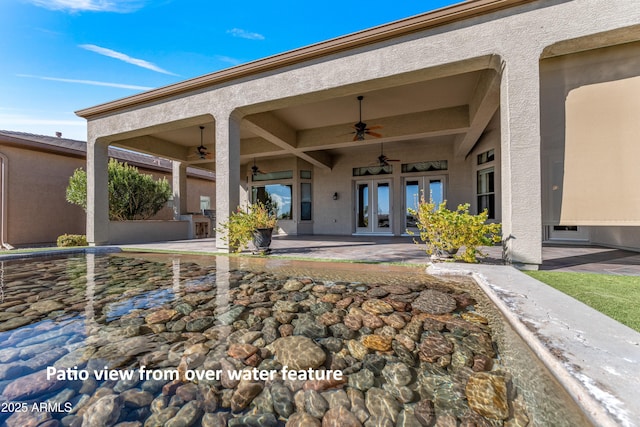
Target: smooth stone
244,394
340,417
407,419
260,420
487,395
382,404
434,302
302,419
337,398
362,380
298,352
282,399
46,306
434,346
375,363
314,404
424,412
160,316
377,342
230,316
397,374
104,412
307,325
200,324
357,349
214,420
27,419
376,306
187,416
31,386
136,398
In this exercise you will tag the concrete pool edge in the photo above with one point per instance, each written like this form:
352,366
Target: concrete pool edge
594,357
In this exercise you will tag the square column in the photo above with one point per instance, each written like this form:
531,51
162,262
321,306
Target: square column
227,171
520,163
97,192
179,184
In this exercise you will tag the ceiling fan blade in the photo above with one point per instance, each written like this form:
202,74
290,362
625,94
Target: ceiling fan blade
374,134
375,127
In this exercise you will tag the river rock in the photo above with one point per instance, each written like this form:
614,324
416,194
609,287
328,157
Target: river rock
340,417
424,413
382,404
487,395
302,419
362,380
376,306
245,393
298,352
259,420
31,386
282,399
314,404
377,342
104,412
397,374
161,316
434,302
433,346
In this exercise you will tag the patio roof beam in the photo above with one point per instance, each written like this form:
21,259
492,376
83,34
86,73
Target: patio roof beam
275,131
156,147
483,106
258,147
445,121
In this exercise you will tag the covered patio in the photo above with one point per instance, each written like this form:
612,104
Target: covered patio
346,134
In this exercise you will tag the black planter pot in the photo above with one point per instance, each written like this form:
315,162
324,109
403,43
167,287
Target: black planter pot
262,240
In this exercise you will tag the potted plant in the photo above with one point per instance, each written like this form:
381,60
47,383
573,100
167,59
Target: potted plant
254,224
444,231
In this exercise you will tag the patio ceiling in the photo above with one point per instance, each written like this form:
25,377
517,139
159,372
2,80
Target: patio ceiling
459,106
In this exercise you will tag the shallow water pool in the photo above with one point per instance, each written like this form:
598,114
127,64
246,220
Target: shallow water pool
165,340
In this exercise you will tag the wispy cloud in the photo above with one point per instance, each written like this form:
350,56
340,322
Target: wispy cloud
87,82
125,58
119,6
244,34
228,59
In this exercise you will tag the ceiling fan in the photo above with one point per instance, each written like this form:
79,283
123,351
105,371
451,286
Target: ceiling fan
201,151
255,170
361,127
384,160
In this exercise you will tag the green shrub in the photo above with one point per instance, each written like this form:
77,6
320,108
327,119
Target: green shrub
444,231
132,195
69,240
238,230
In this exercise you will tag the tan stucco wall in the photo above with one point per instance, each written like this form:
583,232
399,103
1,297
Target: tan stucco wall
195,188
560,76
37,209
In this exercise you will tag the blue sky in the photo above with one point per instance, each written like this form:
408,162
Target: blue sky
59,56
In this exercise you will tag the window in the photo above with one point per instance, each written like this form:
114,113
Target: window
305,174
272,176
486,192
305,201
205,203
278,196
373,170
486,157
437,165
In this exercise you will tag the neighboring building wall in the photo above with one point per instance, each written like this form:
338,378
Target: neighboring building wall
36,185
558,77
196,187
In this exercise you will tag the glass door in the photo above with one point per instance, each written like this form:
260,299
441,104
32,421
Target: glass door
373,210
433,188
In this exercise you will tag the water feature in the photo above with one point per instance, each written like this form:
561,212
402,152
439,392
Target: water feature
165,340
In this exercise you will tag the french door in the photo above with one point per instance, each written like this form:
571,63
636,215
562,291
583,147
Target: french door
373,210
432,187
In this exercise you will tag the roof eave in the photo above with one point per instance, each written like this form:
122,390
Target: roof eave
439,17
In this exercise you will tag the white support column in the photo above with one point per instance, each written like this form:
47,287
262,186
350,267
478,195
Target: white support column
97,192
179,182
520,153
227,171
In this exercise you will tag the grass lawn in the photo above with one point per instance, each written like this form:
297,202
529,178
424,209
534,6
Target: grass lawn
616,296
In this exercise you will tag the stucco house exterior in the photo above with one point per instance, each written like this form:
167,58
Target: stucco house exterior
34,175
525,107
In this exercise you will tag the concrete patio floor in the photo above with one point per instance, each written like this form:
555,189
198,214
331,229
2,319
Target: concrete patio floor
583,258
